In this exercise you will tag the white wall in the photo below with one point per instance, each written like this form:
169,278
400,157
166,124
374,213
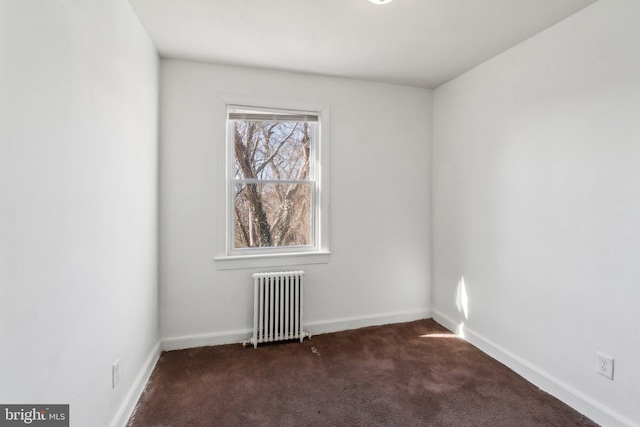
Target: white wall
536,206
380,229
78,227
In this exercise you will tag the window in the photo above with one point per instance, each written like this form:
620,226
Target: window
274,188
272,182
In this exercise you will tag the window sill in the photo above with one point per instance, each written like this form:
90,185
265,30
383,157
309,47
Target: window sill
271,260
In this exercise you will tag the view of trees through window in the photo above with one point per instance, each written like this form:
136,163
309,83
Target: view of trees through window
272,183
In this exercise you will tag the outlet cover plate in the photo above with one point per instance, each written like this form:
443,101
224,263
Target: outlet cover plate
115,373
604,365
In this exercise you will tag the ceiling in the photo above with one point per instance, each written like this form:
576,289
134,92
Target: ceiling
420,43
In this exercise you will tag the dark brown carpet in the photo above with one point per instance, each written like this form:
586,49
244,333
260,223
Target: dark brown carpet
408,374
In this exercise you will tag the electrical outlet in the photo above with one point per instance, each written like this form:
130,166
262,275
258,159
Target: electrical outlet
115,373
604,365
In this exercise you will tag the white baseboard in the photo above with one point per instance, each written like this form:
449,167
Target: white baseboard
205,340
542,379
348,323
318,327
128,405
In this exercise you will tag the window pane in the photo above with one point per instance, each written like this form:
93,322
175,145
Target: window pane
272,215
272,150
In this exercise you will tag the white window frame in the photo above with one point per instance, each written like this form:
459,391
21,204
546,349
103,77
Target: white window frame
318,253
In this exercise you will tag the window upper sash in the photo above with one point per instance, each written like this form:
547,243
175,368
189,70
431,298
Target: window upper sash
238,114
